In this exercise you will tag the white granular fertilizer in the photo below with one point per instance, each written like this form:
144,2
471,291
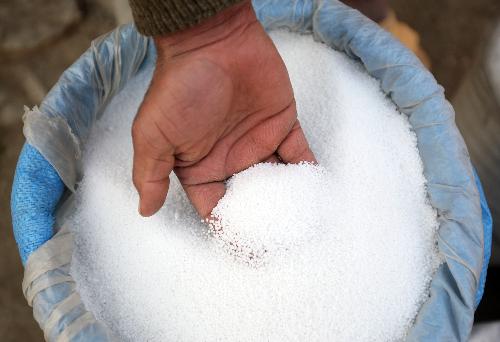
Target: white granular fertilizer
294,197
343,251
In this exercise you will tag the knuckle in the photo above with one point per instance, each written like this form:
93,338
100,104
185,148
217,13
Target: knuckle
137,183
136,179
136,130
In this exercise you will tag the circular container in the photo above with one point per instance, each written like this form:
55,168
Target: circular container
60,128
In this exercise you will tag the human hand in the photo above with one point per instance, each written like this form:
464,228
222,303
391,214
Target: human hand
220,101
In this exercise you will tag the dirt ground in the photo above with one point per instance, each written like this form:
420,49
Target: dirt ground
451,32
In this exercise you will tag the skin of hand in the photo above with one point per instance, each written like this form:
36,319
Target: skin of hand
220,100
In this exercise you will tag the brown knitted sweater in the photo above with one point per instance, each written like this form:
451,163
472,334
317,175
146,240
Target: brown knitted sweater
157,17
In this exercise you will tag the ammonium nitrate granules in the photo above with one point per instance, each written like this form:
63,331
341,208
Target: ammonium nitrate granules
340,251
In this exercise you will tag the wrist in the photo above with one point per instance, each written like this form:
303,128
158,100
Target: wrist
225,24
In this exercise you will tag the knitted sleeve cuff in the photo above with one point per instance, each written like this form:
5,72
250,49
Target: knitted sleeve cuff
158,17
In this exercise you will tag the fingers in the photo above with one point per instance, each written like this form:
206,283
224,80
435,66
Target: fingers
274,158
205,197
261,142
295,147
153,162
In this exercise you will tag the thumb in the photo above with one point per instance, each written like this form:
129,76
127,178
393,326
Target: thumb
153,162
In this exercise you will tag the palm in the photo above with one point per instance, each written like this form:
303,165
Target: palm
212,112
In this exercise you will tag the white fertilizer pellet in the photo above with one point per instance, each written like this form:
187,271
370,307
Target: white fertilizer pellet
343,251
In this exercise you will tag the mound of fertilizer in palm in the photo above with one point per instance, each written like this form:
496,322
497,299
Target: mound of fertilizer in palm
342,251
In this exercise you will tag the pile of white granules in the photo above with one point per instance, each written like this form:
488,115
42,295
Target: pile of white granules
343,251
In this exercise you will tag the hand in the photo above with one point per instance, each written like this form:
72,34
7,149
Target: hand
220,101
